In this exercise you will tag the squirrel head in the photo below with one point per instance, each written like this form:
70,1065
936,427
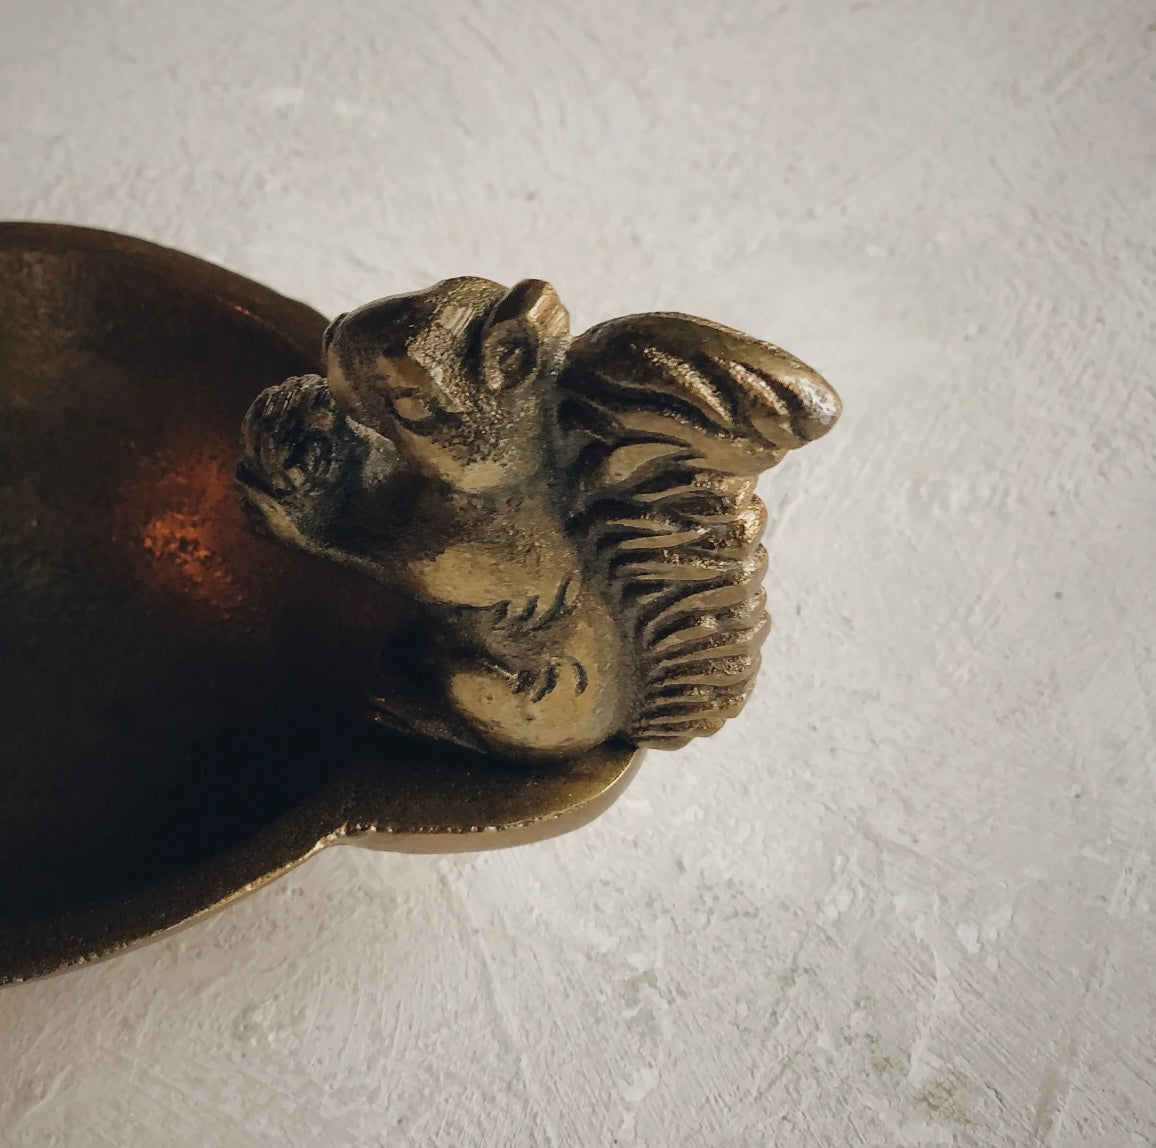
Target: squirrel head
460,377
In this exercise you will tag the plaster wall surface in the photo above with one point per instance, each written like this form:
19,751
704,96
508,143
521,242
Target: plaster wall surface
908,898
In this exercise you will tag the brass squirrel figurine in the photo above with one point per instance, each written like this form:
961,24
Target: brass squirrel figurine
576,516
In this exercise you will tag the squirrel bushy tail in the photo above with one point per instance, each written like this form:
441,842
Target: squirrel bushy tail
666,421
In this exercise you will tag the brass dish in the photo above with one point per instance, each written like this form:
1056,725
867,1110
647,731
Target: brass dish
165,745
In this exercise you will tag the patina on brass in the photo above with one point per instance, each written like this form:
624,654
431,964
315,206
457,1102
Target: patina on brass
576,518
176,727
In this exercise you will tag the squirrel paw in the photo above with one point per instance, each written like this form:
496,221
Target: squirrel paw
537,612
539,684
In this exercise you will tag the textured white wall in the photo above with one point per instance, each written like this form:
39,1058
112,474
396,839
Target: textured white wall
908,898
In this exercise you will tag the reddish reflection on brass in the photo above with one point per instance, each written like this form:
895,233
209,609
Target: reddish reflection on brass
183,539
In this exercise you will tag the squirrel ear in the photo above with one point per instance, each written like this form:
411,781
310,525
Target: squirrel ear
526,335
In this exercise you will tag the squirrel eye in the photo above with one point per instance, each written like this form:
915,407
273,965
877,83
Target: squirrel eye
412,408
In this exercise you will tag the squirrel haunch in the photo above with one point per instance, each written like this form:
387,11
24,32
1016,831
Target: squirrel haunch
577,517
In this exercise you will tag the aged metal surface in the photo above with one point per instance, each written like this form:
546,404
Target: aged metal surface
577,517
173,723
